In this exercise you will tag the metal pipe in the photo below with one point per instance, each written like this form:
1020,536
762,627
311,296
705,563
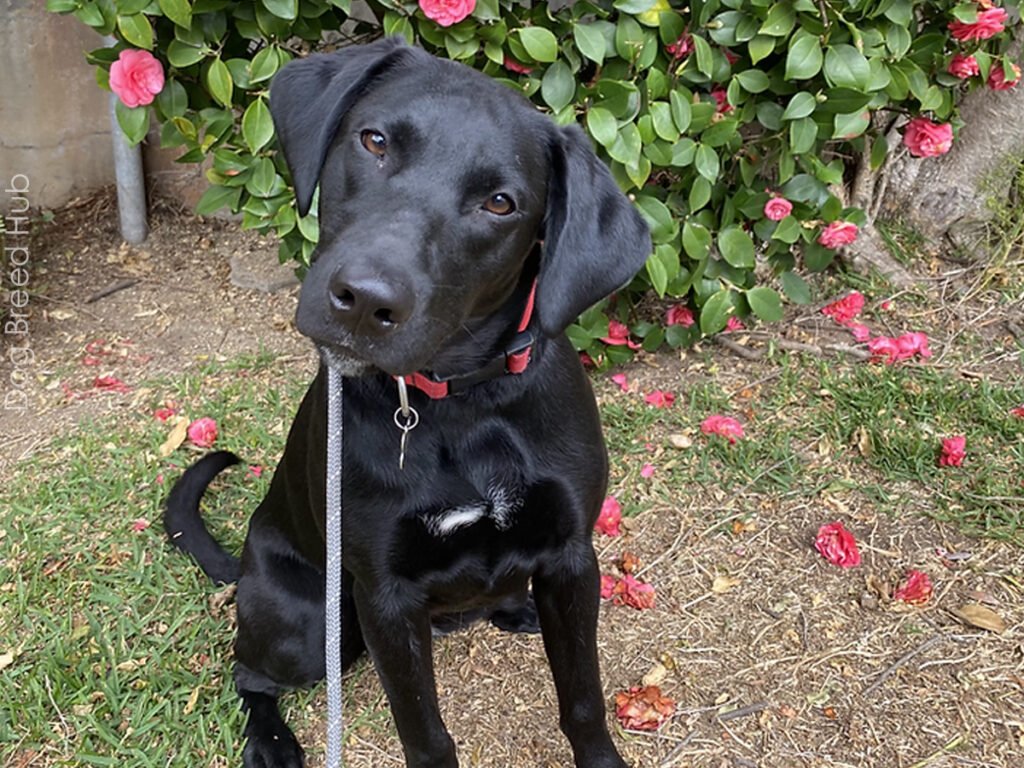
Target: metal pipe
131,180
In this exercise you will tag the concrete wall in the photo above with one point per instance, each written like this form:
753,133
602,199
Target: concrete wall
54,124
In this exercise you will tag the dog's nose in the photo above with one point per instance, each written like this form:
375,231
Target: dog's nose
372,305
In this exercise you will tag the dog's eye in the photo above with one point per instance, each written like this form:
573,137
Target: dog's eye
374,142
500,204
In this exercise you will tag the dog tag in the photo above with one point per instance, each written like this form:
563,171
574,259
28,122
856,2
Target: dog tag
406,419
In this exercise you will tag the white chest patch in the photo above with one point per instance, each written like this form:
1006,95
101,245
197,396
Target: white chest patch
500,506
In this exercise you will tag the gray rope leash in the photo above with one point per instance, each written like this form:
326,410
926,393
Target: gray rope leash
333,586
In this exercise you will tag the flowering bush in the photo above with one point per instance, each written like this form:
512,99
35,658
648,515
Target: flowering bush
732,123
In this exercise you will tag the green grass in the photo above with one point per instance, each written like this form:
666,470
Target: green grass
117,659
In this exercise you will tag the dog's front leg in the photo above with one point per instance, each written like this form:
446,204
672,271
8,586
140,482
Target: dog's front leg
567,601
398,637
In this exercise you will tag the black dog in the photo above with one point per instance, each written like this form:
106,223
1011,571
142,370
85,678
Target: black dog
461,231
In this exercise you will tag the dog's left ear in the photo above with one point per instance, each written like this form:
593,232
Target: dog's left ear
594,238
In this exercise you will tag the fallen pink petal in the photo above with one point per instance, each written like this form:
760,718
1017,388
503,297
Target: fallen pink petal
1018,411
110,384
679,315
621,381
607,585
618,335
915,589
255,470
837,545
610,517
734,324
647,471
163,414
845,309
724,426
629,591
953,451
202,432
140,524
660,399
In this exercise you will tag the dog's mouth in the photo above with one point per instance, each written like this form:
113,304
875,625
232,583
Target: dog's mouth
343,360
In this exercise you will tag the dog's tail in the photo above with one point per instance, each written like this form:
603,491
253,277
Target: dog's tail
185,526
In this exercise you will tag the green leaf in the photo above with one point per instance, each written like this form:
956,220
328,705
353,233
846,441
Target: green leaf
590,42
845,66
761,47
804,58
802,104
264,65
558,86
61,6
696,240
851,126
795,288
627,145
602,126
182,55
257,126
178,11
137,30
780,21
705,58
133,121
217,197
802,135
218,82
682,111
658,274
765,303
261,182
706,162
540,43
817,257
283,9
736,247
658,217
787,231
753,80
715,312
172,101
700,194
879,152
661,115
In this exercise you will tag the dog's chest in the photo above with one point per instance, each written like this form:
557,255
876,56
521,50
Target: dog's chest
496,509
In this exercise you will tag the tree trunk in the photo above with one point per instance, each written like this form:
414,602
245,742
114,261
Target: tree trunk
948,198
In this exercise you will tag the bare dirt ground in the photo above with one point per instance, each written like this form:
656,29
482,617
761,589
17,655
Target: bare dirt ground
792,664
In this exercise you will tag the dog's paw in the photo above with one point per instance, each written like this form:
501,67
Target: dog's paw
522,618
276,750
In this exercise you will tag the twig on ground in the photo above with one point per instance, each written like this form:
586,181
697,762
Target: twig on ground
790,346
930,642
111,289
750,709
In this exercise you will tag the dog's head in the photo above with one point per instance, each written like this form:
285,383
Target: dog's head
438,186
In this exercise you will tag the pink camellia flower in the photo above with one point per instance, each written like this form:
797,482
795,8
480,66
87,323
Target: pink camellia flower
1018,411
647,471
997,78
635,594
447,12
721,100
643,708
618,335
884,348
679,315
725,426
734,324
845,309
777,208
660,399
910,344
915,589
514,66
136,77
621,381
927,139
963,66
610,517
837,545
731,57
953,451
202,432
990,22
837,234
586,360
681,47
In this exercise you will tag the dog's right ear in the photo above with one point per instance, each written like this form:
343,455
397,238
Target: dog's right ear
309,97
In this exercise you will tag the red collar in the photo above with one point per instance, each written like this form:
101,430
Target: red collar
512,360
